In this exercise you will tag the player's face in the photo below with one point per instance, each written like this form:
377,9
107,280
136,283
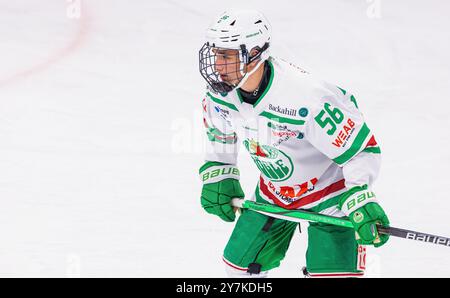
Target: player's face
227,64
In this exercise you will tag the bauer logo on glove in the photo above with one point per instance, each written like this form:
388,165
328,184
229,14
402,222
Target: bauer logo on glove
363,210
220,185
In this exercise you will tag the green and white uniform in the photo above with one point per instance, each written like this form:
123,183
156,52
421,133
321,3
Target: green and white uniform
308,139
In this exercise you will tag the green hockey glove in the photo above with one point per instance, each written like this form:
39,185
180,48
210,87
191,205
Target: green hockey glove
363,210
220,185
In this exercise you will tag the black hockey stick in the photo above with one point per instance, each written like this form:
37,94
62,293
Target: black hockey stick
413,235
303,215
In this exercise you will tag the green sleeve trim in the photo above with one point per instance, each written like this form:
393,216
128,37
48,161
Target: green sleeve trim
219,101
281,119
375,150
215,135
343,197
355,147
209,164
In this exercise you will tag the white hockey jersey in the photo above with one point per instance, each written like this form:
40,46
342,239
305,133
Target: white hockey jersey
307,137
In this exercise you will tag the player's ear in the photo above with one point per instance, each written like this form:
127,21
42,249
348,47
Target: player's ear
253,53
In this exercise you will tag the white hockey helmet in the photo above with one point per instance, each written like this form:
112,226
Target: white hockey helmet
242,30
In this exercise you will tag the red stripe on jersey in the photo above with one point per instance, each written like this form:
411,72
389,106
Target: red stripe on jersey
372,142
204,105
336,186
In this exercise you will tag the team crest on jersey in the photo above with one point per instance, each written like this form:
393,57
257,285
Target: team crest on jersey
273,163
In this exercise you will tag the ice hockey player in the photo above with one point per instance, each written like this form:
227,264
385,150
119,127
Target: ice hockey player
309,141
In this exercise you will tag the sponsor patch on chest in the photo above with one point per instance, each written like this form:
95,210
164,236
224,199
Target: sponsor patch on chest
283,110
281,133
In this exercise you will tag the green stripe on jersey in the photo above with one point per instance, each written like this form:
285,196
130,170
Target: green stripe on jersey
353,99
219,101
372,150
216,135
281,119
355,147
342,90
334,201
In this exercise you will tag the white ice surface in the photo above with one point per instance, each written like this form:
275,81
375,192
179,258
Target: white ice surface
101,135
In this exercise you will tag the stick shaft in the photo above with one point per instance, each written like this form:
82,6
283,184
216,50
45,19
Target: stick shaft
302,215
413,235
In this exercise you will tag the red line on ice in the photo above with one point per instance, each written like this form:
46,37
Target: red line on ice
71,47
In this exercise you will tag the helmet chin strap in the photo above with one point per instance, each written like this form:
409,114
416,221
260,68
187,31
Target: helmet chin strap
264,56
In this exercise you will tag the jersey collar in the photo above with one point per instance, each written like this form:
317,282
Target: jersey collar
265,91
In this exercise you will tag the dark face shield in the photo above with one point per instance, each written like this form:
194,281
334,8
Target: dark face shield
223,69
